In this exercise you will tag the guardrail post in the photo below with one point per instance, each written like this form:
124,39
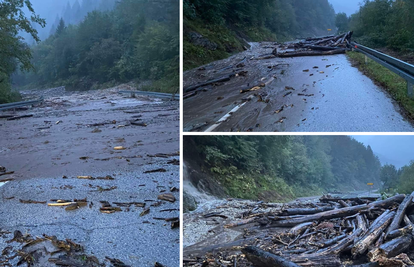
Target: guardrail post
410,88
366,60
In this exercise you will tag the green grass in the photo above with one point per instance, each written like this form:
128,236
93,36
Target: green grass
229,41
393,83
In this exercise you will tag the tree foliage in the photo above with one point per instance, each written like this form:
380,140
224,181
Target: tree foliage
342,22
381,23
303,162
137,40
283,17
13,51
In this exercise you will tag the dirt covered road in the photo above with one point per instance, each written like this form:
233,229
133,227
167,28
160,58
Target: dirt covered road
301,94
122,214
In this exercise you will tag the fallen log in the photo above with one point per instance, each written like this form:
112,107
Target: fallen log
373,233
343,212
392,248
356,199
312,53
321,48
261,258
218,80
299,229
302,211
399,216
20,117
400,232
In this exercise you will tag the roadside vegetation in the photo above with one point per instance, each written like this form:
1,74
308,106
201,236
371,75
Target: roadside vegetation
136,41
397,180
393,83
215,29
281,168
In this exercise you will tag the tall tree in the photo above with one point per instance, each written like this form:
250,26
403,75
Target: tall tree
13,51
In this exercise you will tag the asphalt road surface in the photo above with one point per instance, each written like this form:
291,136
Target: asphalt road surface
302,94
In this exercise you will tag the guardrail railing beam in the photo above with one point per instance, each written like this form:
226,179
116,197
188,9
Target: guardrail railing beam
395,65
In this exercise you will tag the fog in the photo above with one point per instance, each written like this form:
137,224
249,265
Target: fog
396,150
72,11
347,6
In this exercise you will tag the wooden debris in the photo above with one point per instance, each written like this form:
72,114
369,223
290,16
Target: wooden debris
32,201
156,170
167,197
145,212
19,117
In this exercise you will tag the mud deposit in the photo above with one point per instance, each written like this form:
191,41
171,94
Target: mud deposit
301,94
66,151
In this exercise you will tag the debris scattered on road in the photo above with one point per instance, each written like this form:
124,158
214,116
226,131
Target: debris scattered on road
32,201
119,148
167,197
156,170
19,117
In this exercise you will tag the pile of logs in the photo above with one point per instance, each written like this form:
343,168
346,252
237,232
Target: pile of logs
334,232
327,45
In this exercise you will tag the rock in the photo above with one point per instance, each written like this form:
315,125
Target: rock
200,40
189,202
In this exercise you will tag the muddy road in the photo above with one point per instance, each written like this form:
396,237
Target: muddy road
74,134
302,94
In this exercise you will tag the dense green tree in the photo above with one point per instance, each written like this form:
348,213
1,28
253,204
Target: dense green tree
342,22
13,52
283,17
381,23
136,41
406,179
389,176
305,163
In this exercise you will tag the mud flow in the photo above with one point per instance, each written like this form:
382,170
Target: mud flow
90,179
254,91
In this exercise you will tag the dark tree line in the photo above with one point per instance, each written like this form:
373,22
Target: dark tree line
302,164
136,41
282,17
383,23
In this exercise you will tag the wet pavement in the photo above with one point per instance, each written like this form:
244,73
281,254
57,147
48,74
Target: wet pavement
302,94
49,150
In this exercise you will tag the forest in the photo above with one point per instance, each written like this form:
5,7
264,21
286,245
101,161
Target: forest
135,41
225,24
291,166
397,180
382,23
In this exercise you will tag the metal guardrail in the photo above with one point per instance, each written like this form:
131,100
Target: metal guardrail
154,94
19,104
395,65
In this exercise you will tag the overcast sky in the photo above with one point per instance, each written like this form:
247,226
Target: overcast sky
347,6
396,150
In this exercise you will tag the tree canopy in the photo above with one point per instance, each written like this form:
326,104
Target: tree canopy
136,41
13,51
311,162
283,17
381,23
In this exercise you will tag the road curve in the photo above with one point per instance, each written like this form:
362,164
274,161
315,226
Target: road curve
330,95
